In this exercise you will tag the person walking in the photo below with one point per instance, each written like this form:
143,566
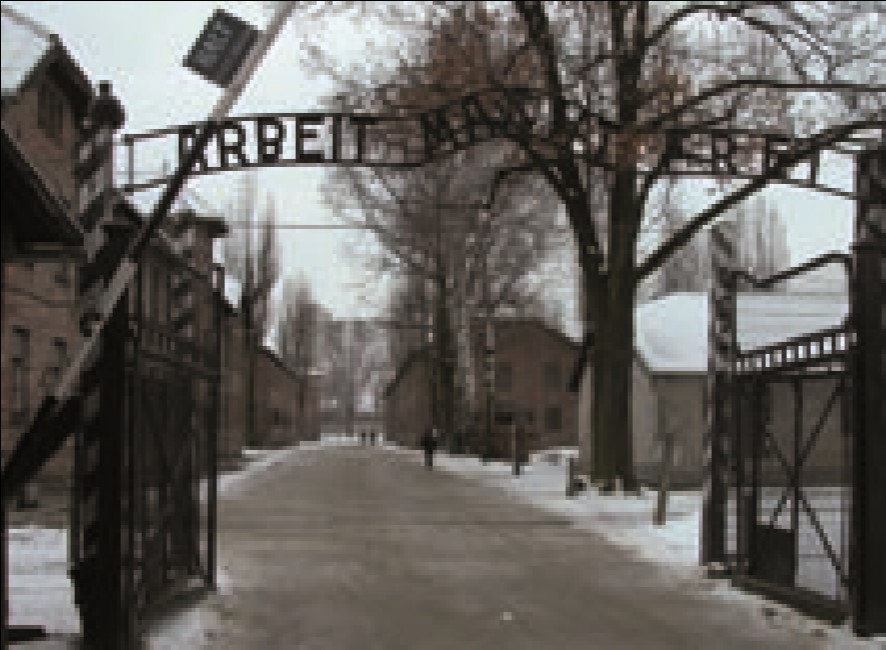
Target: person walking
429,444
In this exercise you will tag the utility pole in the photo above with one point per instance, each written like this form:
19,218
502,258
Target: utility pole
488,347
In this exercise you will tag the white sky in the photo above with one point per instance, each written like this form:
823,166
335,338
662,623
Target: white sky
139,47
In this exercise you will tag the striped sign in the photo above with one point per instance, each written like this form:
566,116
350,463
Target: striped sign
722,350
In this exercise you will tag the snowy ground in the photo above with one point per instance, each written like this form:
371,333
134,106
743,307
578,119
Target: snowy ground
41,594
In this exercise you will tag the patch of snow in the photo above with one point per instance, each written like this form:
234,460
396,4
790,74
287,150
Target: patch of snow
260,460
40,592
190,627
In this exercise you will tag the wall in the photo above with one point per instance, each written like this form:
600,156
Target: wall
33,298
232,416
527,346
408,405
51,156
35,301
669,404
276,413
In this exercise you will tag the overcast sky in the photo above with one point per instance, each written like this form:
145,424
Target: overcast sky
139,46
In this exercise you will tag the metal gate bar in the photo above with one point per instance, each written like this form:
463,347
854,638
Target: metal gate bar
825,553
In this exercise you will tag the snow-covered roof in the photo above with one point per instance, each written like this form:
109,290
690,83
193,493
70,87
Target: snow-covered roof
672,332
23,43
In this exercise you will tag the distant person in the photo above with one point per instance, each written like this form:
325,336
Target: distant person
429,445
372,438
363,438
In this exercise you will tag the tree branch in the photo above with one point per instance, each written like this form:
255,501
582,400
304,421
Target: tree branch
682,237
692,102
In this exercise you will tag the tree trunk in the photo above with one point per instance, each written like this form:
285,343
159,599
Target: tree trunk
613,366
613,394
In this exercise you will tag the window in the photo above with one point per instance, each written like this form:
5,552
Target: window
551,373
504,375
58,360
20,357
62,274
50,110
553,419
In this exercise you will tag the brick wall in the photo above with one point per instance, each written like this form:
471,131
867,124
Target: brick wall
51,155
408,404
35,302
538,361
276,412
39,298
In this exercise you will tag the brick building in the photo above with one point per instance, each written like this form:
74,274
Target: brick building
45,96
276,412
45,99
532,365
408,399
279,418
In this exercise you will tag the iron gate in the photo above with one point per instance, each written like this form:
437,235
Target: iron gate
795,486
144,495
789,497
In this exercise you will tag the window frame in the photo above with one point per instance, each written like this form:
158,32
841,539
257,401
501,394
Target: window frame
20,405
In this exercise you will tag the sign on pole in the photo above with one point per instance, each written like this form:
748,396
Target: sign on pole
221,48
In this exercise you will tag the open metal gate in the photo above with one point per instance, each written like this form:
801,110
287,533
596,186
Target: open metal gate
795,488
789,498
144,498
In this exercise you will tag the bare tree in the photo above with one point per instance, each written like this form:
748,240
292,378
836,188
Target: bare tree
251,256
298,331
599,99
761,246
616,65
466,239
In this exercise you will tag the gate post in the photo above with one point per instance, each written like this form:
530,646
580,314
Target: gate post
869,479
98,515
722,347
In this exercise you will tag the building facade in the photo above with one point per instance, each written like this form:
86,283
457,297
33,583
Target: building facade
45,96
531,390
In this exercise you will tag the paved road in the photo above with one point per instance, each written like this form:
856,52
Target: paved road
364,549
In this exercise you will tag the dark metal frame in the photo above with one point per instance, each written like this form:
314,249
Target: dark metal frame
151,536
740,530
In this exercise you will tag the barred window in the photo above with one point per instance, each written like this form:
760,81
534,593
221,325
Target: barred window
19,362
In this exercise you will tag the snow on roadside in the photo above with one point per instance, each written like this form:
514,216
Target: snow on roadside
626,521
259,460
40,592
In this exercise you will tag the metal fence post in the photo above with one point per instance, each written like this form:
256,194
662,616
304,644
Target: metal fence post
722,347
869,479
